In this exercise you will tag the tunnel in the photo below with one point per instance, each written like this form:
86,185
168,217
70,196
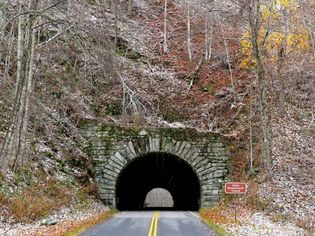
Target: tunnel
157,170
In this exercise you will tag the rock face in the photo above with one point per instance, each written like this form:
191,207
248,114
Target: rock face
113,148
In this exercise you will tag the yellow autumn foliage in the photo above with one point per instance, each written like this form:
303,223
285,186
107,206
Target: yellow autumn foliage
272,42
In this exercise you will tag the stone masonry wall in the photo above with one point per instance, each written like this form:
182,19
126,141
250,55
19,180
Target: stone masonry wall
113,147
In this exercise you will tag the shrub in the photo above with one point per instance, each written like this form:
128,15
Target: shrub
37,200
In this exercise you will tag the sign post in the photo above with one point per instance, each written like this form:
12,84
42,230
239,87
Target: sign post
235,188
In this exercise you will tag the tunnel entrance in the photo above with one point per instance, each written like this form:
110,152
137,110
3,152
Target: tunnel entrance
157,170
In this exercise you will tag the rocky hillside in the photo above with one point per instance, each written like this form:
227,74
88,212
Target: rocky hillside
97,60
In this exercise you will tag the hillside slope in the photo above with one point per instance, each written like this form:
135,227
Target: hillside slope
80,74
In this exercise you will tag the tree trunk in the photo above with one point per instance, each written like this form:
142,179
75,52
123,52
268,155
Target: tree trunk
13,147
28,86
255,23
129,5
116,22
228,59
8,55
251,131
165,48
206,38
3,19
280,67
188,33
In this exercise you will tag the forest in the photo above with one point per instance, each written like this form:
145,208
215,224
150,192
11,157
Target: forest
244,69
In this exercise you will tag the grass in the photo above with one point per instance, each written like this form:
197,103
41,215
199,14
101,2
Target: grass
214,216
35,197
29,197
36,200
219,230
71,227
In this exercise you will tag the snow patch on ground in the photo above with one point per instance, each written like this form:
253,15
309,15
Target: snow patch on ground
72,213
259,224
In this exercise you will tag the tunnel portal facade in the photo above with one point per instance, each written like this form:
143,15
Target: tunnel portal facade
130,162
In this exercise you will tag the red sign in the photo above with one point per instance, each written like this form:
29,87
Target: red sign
235,188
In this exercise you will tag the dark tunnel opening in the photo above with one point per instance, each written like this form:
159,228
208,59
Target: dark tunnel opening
158,170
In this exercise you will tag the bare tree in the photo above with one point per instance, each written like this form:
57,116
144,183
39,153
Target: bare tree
254,16
189,32
281,59
15,139
251,130
165,47
3,18
116,3
227,53
209,28
208,38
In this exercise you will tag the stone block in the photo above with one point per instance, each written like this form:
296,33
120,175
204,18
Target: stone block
120,158
154,144
219,173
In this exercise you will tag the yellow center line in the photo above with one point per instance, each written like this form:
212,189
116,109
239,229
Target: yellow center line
154,224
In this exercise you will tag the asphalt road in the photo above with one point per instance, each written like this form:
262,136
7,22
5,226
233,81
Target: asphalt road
152,223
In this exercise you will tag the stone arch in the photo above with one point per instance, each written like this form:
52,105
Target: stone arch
133,149
113,148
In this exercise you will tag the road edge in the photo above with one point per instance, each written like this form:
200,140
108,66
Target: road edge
217,228
90,223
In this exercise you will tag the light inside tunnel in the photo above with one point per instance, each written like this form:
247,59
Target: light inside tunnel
157,170
159,198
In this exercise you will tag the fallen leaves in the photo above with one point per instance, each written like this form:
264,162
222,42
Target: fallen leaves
69,228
